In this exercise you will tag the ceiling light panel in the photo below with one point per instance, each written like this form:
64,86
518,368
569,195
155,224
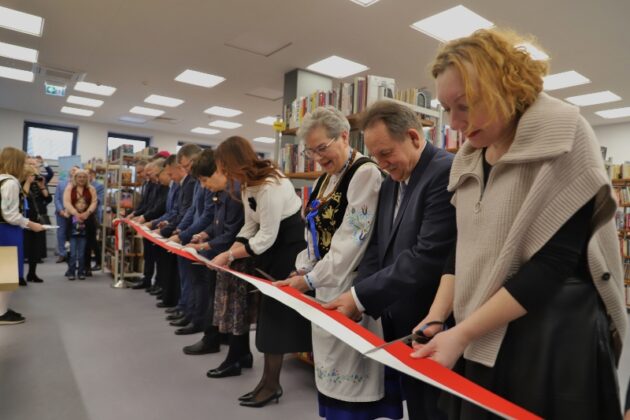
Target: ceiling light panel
451,24
337,67
95,89
80,100
265,140
536,53
266,120
207,131
133,120
151,112
77,111
21,22
614,113
163,101
364,3
198,78
18,53
223,112
603,97
224,124
564,80
16,74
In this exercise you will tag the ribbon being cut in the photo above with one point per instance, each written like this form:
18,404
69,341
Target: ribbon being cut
396,355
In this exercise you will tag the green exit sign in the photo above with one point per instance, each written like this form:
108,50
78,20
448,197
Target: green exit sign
54,90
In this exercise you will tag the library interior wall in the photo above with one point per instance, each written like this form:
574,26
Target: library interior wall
616,138
92,139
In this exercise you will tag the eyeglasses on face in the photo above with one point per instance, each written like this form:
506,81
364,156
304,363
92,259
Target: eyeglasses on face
319,150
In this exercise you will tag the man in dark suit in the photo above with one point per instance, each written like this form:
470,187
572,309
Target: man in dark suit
414,232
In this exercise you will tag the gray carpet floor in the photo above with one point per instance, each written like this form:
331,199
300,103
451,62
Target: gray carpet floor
88,351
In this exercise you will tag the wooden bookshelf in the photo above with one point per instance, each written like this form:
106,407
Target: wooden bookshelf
303,175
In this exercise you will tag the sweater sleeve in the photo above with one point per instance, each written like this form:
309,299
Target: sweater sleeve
10,192
564,255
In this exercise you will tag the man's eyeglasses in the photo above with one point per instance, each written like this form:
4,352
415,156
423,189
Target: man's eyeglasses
319,150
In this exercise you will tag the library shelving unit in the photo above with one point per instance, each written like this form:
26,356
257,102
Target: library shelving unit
622,193
125,260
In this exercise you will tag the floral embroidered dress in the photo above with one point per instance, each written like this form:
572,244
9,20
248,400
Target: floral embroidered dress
338,231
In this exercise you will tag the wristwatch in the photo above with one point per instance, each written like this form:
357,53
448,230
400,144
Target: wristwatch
230,257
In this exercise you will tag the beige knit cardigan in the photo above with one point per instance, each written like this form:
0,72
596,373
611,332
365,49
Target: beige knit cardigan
553,168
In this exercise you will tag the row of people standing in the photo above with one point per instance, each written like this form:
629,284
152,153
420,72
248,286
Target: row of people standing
509,244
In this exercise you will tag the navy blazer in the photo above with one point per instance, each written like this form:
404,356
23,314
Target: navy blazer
401,269
148,190
198,216
171,200
228,220
157,206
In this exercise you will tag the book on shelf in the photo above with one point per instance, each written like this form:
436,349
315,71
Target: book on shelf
622,195
304,193
293,160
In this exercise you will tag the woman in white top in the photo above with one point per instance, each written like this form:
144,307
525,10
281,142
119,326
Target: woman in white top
339,217
12,220
273,235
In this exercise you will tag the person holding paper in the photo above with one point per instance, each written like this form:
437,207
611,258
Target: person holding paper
37,198
340,216
273,234
536,280
12,221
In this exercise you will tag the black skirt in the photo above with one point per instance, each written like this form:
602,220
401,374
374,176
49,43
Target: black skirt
280,329
557,363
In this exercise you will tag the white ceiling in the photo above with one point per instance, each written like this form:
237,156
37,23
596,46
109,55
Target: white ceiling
139,46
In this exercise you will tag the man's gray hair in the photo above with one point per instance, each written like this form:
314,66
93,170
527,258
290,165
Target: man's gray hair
328,117
189,151
397,118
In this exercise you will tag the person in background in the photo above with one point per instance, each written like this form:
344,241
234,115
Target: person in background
229,313
43,169
77,233
12,221
37,198
62,215
340,213
42,178
80,189
535,281
415,229
96,245
273,234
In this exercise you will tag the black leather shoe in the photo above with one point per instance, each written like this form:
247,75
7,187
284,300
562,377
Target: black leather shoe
172,310
247,361
201,347
190,329
182,322
22,282
256,404
140,286
225,370
175,316
34,279
156,291
164,305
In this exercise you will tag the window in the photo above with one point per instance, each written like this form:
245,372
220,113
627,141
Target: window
49,141
138,142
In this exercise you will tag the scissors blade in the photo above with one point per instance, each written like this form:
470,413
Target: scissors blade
405,338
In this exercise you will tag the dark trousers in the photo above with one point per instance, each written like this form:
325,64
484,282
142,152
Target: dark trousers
167,276
185,296
92,244
202,284
149,260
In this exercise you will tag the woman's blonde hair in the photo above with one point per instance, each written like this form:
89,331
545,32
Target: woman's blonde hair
81,172
12,162
506,79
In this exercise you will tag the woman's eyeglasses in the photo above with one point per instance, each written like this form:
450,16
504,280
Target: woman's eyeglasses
319,150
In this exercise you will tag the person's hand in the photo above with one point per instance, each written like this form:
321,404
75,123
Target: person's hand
197,247
297,282
346,305
431,330
162,224
41,184
139,219
221,260
29,180
175,238
147,224
176,231
445,348
36,227
63,213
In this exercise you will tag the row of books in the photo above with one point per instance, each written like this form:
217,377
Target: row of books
622,195
622,220
304,193
621,171
624,245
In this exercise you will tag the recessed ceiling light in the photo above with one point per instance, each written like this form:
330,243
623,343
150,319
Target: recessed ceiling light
163,101
337,67
203,130
615,112
21,22
594,98
453,23
80,100
134,120
265,140
151,112
77,111
18,53
224,124
267,120
198,78
536,53
95,89
364,3
223,112
564,80
16,74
